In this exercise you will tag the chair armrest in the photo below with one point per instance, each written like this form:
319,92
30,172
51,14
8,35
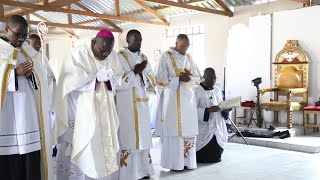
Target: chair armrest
268,90
297,90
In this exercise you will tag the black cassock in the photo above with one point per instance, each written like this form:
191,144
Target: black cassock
20,167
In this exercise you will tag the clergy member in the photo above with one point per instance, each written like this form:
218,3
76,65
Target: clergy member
25,143
133,109
35,42
178,75
87,121
212,129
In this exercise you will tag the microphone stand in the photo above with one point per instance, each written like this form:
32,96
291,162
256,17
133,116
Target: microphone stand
228,117
258,110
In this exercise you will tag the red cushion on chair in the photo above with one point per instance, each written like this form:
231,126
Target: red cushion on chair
248,104
312,108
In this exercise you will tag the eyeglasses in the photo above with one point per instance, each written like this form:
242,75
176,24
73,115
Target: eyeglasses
19,35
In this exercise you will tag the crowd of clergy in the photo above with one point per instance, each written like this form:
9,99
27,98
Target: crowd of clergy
97,114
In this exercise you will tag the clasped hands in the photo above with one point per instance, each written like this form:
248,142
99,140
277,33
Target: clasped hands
25,68
138,68
104,74
185,76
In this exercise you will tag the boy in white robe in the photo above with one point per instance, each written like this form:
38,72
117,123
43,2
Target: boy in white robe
133,110
178,75
35,42
25,143
212,129
87,121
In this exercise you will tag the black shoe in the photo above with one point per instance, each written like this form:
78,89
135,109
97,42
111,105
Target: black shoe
54,151
285,134
271,128
176,170
146,177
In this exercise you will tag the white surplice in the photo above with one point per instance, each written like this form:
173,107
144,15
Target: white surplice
51,81
87,121
179,110
216,125
24,118
134,115
51,87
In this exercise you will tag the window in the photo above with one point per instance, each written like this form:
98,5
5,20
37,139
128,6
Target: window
196,37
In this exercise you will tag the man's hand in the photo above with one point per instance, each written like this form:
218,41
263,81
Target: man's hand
28,74
214,109
24,68
185,76
227,110
138,68
105,74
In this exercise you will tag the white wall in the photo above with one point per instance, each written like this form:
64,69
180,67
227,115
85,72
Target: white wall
58,49
215,35
153,38
216,27
298,24
301,25
216,31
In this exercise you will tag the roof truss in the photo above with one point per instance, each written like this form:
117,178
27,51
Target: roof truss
108,20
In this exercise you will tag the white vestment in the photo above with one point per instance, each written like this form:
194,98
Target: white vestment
227,96
179,110
24,118
51,88
86,114
51,81
215,126
134,115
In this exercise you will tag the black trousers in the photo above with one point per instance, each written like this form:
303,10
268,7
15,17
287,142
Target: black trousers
20,167
211,153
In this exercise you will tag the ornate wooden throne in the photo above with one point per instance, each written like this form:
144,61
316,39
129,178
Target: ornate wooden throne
291,73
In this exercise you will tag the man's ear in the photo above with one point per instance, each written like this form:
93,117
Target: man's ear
93,41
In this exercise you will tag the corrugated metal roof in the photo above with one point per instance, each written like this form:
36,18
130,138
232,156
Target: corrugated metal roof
128,7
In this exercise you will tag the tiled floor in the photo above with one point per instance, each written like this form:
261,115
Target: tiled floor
242,162
309,143
246,162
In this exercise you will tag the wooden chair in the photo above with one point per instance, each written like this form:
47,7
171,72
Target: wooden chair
315,110
291,73
247,107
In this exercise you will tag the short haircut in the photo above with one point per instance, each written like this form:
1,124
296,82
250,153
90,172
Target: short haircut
209,70
34,36
131,33
17,19
182,37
